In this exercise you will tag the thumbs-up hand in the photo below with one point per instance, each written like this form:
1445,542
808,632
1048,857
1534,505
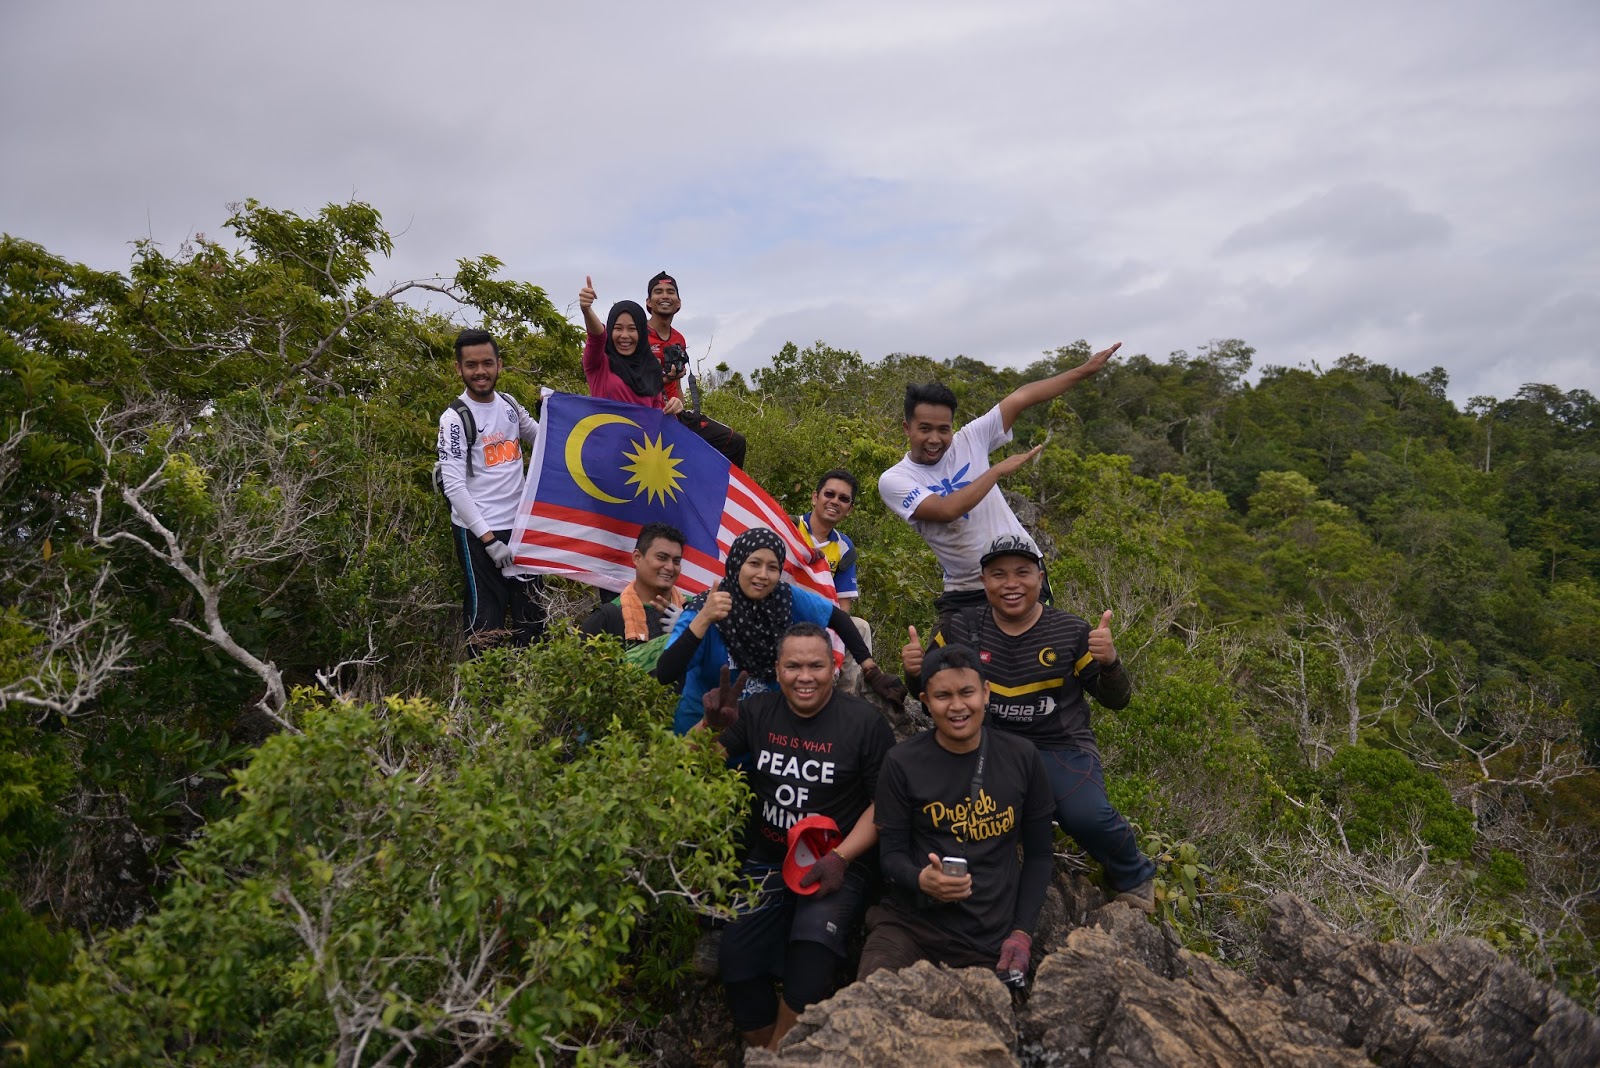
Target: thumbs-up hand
586,295
911,654
1100,646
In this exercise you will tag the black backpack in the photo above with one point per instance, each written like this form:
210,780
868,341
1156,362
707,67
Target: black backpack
470,426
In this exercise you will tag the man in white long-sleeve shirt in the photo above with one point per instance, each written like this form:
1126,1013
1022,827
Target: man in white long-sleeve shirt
481,468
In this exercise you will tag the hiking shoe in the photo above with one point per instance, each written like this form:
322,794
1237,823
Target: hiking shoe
1141,897
707,954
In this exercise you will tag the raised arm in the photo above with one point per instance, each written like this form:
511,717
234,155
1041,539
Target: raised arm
936,509
1048,389
591,322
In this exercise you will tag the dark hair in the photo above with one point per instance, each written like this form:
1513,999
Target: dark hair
804,630
841,475
946,658
662,276
928,393
474,336
651,531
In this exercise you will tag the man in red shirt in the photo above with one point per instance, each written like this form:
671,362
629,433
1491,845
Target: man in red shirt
669,346
662,303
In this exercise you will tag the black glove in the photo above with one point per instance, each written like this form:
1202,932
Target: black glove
721,703
885,685
828,871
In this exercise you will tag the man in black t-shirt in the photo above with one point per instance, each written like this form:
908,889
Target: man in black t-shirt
966,791
1041,663
810,751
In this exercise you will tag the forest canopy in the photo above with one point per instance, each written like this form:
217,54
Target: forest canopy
1364,624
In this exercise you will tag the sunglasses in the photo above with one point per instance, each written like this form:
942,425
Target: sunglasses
842,498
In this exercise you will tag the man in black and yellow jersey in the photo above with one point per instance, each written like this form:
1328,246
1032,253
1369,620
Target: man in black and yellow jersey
1042,665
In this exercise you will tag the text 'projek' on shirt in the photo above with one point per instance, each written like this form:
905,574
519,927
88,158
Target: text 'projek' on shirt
821,765
490,498
925,805
960,543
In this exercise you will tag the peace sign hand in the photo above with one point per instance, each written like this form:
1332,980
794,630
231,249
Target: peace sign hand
721,703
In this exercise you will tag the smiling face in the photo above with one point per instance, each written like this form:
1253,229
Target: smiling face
663,300
480,370
625,335
657,568
929,432
805,673
1012,585
956,698
833,501
760,574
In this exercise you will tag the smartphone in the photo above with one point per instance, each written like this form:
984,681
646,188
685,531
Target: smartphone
953,865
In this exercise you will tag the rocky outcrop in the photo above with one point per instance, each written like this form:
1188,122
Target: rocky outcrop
923,1015
1115,990
1455,1002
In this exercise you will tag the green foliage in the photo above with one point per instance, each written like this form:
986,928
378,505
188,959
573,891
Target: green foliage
1379,793
405,873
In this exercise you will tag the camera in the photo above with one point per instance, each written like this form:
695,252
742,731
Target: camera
1017,980
674,361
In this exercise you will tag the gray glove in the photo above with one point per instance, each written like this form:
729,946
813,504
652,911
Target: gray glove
499,552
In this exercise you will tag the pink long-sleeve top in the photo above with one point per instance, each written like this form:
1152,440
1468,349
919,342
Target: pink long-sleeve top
603,382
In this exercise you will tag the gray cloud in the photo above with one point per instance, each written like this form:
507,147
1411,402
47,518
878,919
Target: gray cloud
1360,219
1410,182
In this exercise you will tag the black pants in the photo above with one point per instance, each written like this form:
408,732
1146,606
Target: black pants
494,608
726,440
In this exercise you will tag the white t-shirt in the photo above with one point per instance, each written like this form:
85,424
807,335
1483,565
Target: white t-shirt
960,543
489,499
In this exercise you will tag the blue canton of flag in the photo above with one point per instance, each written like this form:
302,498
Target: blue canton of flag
601,469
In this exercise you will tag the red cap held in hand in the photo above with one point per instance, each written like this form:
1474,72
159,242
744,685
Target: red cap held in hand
809,840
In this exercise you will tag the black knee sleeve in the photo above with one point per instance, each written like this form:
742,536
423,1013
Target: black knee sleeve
807,974
752,1003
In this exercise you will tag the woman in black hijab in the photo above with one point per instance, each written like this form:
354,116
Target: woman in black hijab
617,361
740,623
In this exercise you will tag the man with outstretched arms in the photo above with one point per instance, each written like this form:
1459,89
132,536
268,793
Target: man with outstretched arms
481,470
952,806
1042,665
945,488
643,610
810,751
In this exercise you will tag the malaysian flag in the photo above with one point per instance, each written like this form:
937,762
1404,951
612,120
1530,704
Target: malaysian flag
602,469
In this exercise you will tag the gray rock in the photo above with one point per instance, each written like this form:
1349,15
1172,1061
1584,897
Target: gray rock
1455,1002
1094,1004
932,1017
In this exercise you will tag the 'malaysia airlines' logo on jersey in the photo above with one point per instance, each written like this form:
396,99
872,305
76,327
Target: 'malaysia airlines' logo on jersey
1014,711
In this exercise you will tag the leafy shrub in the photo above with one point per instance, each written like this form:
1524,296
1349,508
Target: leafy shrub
405,875
1379,792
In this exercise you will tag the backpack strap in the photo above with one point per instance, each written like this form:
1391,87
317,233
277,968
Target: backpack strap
469,425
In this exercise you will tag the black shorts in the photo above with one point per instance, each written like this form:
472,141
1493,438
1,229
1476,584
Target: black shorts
898,939
753,944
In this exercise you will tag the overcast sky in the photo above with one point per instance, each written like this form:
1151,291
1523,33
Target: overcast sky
1416,182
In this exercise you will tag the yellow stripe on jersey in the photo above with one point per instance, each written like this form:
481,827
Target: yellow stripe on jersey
1083,662
1032,687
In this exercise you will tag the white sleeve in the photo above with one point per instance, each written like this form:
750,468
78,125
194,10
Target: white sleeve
900,492
989,430
453,472
527,425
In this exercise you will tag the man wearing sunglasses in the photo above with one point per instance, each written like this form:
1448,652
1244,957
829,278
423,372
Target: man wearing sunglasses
833,499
